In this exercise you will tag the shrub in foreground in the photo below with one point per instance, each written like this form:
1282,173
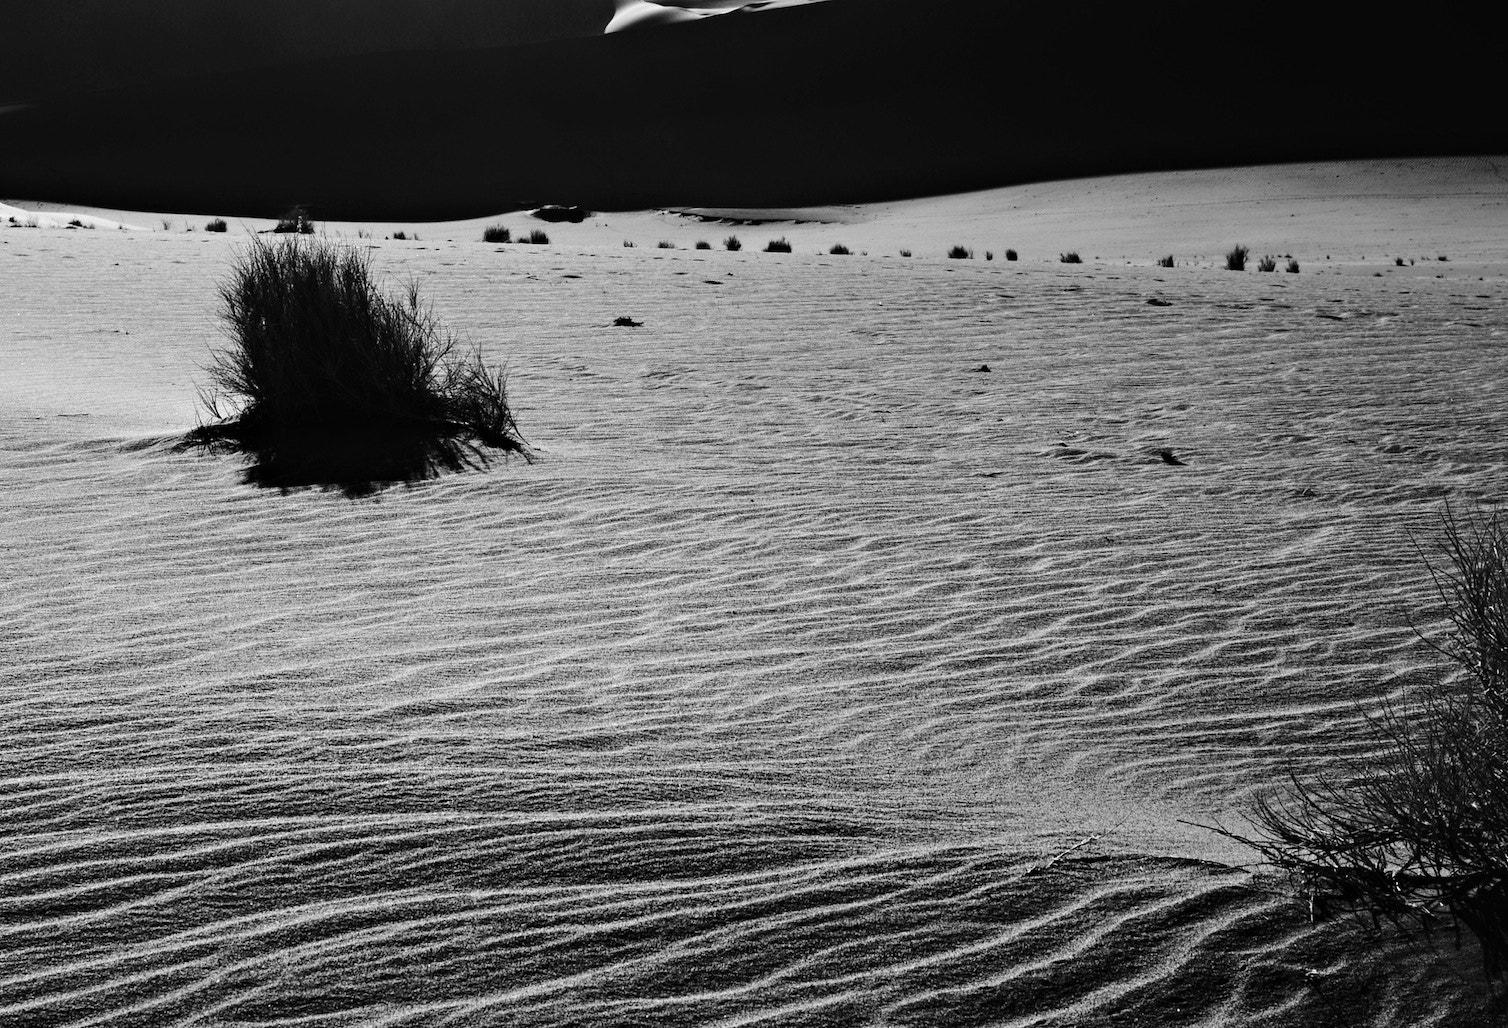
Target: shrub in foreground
1419,834
1267,263
702,244
781,245
1236,259
961,253
1071,257
328,380
732,243
1293,266
217,225
497,234
537,237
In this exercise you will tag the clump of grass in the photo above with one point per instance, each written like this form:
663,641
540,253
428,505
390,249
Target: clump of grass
1267,263
988,255
732,243
497,234
1165,262
217,225
401,235
781,245
1293,266
1415,834
1398,262
295,220
838,250
537,237
1010,255
1071,257
961,253
665,244
328,380
702,244
1235,260
1443,257
167,224
905,253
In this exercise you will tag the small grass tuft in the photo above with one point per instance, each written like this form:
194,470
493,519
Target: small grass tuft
781,245
905,253
1267,263
732,243
217,225
1235,260
1010,255
960,253
1071,257
538,237
665,244
1293,266
702,244
838,250
497,234
1165,262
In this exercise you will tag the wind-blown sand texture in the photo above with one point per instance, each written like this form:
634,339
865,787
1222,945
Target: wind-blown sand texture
787,687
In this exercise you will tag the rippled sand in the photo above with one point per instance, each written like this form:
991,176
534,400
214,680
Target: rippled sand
785,689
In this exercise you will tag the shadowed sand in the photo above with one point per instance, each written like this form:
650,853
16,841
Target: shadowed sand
788,686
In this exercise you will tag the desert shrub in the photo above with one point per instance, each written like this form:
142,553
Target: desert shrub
988,255
629,244
167,224
838,250
961,253
401,235
1071,257
1165,262
781,245
322,363
1235,260
1443,257
665,244
296,220
1267,263
1293,266
732,243
538,237
1418,834
1398,262
905,253
217,225
702,244
497,234
1010,255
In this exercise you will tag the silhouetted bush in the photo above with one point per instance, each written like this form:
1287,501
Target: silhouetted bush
838,249
1418,833
1236,259
538,237
1267,263
905,253
329,381
1071,257
1010,255
702,244
1293,266
400,235
1398,262
665,244
295,220
961,253
497,234
217,225
629,244
781,245
1165,262
732,243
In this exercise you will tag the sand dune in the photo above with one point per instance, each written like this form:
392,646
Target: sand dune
788,687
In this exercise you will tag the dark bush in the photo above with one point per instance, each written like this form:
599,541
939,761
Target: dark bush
781,245
1267,263
329,381
1418,833
537,237
1165,262
905,253
732,243
400,235
1071,257
218,225
702,244
1293,266
838,250
1236,259
297,221
665,244
497,234
961,253
1010,255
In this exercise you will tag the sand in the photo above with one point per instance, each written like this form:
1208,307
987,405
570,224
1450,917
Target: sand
787,687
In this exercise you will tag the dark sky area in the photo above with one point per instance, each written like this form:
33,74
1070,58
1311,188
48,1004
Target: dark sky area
386,108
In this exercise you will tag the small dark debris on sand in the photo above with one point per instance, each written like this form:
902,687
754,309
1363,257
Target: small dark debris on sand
627,322
1168,458
983,367
1159,302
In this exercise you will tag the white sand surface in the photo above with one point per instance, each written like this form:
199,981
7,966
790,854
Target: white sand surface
769,695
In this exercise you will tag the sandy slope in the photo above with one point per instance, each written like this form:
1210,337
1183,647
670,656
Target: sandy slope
769,695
